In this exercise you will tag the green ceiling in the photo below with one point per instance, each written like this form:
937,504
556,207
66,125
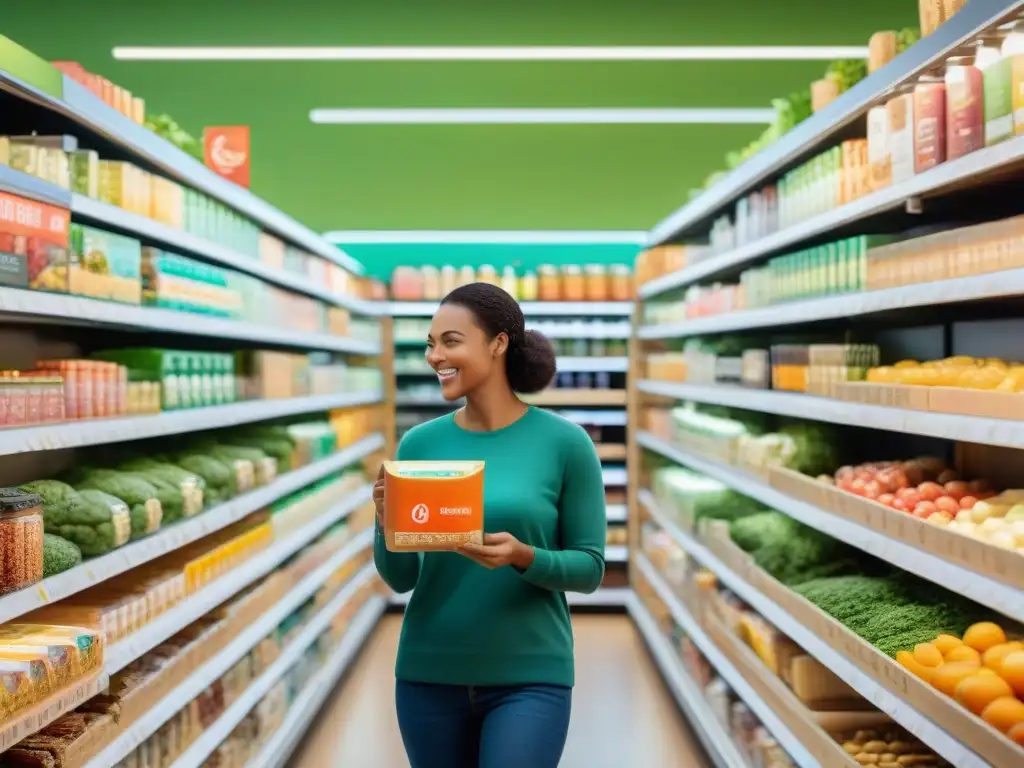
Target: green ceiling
458,177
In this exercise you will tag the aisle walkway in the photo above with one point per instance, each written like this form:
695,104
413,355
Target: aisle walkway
622,715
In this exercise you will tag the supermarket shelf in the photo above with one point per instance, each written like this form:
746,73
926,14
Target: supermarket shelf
150,231
195,756
121,654
940,179
563,365
596,418
24,185
580,330
995,285
28,306
576,397
530,308
35,718
74,434
995,594
604,597
215,667
824,127
717,742
611,451
82,107
787,740
616,513
971,429
592,364
303,710
926,730
97,570
616,553
614,476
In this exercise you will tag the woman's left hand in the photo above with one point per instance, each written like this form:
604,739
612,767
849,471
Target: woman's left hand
499,549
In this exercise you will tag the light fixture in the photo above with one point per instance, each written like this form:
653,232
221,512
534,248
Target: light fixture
539,116
486,237
493,53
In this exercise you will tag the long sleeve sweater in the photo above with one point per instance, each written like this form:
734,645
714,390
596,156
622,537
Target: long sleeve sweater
469,625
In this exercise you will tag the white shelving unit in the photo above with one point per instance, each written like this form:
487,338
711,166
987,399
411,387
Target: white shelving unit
100,127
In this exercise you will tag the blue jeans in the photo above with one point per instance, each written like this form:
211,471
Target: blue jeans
457,726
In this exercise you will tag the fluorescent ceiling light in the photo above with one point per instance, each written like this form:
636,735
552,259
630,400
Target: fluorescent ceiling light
487,237
539,116
494,53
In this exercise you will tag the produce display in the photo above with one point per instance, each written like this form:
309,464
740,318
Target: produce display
569,282
960,371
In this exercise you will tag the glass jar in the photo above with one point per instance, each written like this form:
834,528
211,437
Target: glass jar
449,279
21,539
509,283
549,284
431,284
621,283
573,288
528,287
596,282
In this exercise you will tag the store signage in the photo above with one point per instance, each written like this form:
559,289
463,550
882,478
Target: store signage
226,151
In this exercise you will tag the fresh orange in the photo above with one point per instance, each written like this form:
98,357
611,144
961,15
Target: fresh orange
1012,671
1004,714
946,643
979,690
1017,733
984,635
993,657
964,653
927,654
907,661
947,677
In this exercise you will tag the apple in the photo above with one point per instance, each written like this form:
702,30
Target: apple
886,498
948,504
968,502
925,509
901,505
949,476
940,518
873,489
930,491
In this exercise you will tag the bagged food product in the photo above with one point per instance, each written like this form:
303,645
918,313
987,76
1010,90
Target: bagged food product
23,682
188,484
145,509
216,475
433,505
95,527
75,651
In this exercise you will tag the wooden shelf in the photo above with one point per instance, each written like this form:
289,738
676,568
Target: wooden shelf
611,451
577,397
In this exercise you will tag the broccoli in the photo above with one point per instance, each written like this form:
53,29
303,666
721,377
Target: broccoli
59,555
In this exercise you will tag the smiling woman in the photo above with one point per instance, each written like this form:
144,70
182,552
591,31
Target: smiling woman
487,634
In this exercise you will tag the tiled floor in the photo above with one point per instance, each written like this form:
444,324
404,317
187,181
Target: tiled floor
622,715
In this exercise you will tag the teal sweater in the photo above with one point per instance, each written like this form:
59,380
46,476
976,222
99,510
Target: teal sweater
469,625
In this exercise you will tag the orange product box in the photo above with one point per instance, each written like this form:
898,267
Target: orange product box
433,505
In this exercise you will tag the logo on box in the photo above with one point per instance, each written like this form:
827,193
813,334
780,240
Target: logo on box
420,514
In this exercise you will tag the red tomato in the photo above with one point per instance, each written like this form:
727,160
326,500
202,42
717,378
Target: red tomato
948,504
901,505
888,499
925,508
930,491
968,502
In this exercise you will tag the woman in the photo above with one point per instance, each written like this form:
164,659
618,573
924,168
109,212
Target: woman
485,661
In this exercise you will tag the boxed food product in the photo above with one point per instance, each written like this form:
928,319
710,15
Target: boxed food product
104,265
433,505
176,282
33,244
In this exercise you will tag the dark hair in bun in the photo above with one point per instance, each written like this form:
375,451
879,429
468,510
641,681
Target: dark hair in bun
530,361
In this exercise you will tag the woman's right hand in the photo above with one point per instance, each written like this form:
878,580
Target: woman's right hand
378,497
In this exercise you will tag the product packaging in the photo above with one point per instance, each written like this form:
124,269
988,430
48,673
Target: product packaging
433,505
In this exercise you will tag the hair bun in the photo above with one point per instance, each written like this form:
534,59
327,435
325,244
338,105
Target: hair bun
530,363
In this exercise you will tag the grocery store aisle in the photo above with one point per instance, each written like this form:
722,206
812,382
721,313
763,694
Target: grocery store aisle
622,715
